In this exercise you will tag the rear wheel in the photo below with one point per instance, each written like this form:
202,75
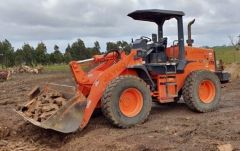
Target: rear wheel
126,101
202,91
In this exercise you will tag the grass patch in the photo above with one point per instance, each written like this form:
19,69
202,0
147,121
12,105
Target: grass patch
227,54
57,67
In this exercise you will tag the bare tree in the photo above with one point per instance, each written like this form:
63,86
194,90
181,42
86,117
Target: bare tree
235,43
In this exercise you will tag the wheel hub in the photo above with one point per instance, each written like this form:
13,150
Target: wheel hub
131,102
206,91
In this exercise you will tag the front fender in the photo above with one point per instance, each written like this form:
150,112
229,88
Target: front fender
144,74
101,83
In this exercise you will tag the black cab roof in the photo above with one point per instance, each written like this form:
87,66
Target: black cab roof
155,15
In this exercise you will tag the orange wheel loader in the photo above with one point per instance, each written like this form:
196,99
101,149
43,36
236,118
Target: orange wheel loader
124,86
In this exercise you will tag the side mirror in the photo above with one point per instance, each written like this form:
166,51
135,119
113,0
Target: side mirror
154,38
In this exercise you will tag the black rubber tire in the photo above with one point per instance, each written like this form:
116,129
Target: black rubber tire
110,101
176,99
190,91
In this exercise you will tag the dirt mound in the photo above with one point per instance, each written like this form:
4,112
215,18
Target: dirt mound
234,69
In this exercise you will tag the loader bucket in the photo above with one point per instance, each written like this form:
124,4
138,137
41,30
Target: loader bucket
66,119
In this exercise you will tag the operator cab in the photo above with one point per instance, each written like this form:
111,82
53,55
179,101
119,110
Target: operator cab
153,50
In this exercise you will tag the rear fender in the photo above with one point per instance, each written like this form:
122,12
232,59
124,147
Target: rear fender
102,81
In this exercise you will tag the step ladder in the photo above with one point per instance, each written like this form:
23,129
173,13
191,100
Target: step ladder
169,81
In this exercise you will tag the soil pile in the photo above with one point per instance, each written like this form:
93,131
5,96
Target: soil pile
234,69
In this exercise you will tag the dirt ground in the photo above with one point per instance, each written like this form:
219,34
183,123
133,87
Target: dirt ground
169,127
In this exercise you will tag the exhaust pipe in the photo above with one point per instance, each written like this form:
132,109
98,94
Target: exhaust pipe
190,40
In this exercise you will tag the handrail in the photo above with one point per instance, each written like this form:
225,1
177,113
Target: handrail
85,60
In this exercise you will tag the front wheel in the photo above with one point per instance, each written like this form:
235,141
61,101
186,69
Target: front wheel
126,101
202,91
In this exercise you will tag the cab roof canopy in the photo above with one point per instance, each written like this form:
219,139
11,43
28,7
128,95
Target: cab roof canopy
159,17
155,15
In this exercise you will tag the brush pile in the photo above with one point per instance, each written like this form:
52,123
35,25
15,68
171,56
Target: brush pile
26,69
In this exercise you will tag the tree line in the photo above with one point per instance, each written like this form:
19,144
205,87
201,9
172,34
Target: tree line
28,55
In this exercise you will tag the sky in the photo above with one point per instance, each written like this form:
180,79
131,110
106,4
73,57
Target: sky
62,22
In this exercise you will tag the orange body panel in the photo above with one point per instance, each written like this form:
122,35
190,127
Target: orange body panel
94,83
197,58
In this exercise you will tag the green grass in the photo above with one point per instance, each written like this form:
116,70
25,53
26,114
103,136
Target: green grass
57,67
2,66
228,54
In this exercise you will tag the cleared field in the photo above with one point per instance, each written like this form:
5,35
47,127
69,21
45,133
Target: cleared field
170,127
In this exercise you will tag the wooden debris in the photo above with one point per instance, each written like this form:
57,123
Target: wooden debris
34,92
4,75
44,105
60,101
3,142
25,69
4,132
225,147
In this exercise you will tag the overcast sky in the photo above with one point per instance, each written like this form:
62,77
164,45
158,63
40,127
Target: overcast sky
63,21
